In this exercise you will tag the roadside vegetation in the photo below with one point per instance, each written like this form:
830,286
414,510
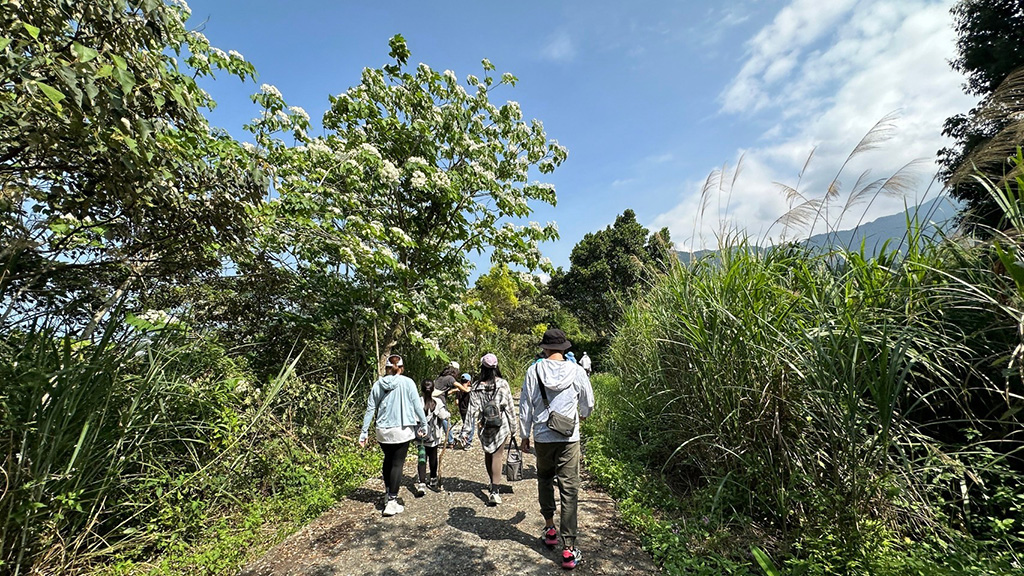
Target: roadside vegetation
189,322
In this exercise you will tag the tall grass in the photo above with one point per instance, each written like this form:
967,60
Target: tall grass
98,438
808,391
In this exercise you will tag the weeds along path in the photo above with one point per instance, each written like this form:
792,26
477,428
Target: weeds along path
453,531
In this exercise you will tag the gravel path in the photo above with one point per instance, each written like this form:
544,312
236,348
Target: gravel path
453,531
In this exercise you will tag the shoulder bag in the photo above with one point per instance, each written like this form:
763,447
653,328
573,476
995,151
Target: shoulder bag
557,421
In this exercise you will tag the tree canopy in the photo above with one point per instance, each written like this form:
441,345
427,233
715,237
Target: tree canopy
413,174
110,173
990,46
606,266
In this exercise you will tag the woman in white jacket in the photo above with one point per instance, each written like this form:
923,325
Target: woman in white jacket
491,392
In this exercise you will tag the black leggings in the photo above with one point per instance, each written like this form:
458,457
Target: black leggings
394,460
421,467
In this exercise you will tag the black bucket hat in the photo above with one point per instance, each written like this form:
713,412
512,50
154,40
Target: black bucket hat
554,339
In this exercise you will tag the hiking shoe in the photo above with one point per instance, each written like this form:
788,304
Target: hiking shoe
434,483
550,536
393,507
494,499
421,488
571,557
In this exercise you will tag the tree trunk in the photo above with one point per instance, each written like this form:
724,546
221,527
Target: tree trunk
390,340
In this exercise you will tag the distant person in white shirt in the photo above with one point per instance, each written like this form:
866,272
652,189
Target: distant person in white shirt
585,363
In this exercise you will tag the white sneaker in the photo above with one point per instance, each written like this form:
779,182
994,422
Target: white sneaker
495,498
421,488
393,507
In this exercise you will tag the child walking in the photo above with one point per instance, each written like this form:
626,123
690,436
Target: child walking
436,413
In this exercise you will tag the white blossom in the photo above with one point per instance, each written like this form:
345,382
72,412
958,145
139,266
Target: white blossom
319,145
415,161
270,89
248,147
507,78
219,53
450,76
401,235
298,111
183,5
419,179
236,54
367,147
441,179
390,172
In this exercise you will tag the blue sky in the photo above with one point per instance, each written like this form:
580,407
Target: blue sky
650,97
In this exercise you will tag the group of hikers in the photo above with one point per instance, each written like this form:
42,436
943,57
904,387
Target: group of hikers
556,396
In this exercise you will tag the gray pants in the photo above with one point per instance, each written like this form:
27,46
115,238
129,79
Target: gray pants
561,460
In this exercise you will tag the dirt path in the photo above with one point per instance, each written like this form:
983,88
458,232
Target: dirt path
453,531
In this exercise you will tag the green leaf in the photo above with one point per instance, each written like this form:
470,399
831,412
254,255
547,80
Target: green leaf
4,42
765,562
104,71
32,30
84,53
52,93
119,62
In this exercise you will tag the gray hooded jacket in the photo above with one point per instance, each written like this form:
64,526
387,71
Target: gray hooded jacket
569,393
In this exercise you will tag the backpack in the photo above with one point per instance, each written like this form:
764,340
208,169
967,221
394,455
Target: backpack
490,414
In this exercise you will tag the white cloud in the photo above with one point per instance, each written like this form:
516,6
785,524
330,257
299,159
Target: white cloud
659,158
560,48
880,56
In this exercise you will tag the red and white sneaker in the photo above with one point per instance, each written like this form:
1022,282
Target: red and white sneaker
571,557
550,536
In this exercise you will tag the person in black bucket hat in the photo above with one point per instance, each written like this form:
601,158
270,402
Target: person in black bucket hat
554,339
553,385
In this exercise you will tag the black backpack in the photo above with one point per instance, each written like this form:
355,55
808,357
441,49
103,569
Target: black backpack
490,414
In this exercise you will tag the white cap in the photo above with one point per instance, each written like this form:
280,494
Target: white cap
454,364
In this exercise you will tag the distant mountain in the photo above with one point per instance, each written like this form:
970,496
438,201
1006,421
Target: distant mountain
932,216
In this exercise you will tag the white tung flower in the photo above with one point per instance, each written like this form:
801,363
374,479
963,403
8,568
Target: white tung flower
270,89
183,5
441,179
415,161
367,147
450,76
389,172
419,179
219,53
235,54
298,111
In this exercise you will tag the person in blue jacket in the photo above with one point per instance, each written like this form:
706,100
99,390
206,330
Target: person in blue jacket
400,419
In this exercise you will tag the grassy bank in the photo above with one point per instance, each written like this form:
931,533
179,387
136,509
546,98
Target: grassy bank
155,451
844,414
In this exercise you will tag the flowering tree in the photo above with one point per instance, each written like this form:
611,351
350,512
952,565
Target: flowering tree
414,173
